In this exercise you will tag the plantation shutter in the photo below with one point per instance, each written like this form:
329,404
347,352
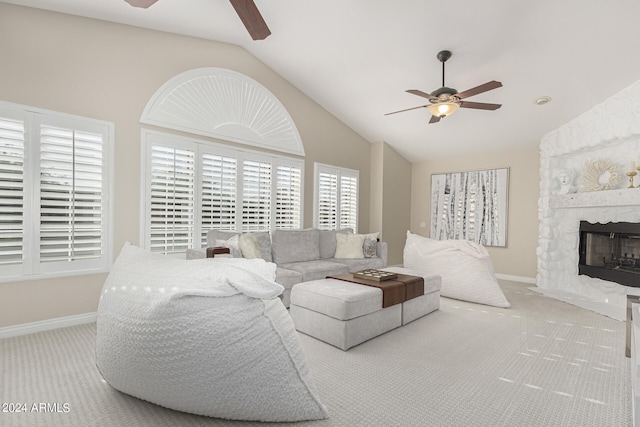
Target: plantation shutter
71,194
172,199
348,202
218,195
256,196
288,197
11,191
327,202
336,198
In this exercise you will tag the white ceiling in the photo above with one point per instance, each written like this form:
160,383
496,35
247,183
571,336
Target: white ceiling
357,57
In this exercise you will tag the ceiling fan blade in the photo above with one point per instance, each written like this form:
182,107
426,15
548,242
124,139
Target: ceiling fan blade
434,119
408,109
422,94
479,89
479,105
141,3
251,18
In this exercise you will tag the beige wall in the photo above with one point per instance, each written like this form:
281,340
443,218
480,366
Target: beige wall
390,197
519,257
396,187
109,71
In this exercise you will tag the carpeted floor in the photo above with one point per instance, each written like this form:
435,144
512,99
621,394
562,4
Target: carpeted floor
540,363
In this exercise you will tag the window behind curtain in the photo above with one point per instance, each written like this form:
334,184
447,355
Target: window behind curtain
227,190
335,198
54,193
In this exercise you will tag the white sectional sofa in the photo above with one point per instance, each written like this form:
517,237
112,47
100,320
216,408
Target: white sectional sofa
300,255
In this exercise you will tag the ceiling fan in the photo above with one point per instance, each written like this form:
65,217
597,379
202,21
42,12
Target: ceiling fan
445,101
246,10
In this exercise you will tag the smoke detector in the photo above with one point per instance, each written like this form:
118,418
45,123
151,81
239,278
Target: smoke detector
542,100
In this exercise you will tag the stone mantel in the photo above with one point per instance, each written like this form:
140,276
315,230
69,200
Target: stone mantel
621,197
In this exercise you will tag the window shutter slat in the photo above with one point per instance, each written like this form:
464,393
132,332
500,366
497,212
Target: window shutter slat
288,197
71,195
327,201
256,197
11,191
218,197
172,193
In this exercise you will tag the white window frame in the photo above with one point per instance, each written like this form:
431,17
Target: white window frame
201,147
339,172
31,267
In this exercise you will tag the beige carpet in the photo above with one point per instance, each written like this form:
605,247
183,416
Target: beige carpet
540,363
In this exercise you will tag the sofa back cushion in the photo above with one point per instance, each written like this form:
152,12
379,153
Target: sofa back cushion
295,245
328,242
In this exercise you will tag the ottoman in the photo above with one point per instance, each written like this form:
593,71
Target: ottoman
346,314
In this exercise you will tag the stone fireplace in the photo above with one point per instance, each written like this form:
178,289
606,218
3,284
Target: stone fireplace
610,131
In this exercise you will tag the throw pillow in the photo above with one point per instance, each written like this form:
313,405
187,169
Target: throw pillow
249,246
233,244
349,246
370,246
465,267
328,242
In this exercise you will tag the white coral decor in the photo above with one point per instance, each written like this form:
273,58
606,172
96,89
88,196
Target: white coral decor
600,174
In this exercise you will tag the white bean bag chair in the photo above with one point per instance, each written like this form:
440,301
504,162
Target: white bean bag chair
465,267
208,337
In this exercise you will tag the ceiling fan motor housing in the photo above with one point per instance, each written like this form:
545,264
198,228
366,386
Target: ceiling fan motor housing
443,92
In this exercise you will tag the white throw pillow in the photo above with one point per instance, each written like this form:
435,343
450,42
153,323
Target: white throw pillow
465,267
349,246
233,244
206,336
249,246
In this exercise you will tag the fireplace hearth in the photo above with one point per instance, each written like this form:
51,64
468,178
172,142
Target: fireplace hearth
610,252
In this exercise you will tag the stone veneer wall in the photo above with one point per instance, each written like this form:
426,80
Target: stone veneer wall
611,131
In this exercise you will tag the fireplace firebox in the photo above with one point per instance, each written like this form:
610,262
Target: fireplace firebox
610,252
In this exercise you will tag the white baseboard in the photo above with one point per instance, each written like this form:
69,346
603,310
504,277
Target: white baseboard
523,279
47,325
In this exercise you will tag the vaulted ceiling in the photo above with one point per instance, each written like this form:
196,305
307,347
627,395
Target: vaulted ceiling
357,58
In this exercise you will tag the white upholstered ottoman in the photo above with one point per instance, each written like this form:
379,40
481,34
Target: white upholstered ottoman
346,314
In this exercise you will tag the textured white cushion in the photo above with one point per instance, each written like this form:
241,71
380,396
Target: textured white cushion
232,243
249,246
204,336
465,267
349,246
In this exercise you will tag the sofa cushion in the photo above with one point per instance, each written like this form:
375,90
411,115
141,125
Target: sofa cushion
314,270
359,264
349,246
199,337
328,242
295,245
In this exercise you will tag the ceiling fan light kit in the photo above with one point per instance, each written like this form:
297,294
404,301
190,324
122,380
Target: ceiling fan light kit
443,109
446,101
